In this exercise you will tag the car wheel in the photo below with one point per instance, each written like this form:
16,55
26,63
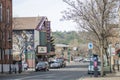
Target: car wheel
88,73
45,69
36,70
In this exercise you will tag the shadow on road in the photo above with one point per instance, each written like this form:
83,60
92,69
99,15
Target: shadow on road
74,66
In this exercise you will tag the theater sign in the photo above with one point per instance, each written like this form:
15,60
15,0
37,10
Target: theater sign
42,49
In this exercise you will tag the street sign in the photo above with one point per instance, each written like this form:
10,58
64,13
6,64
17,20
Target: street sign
42,49
90,45
111,51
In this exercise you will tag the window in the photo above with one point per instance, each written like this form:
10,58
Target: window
0,12
0,54
8,15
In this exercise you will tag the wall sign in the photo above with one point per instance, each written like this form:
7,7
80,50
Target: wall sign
42,49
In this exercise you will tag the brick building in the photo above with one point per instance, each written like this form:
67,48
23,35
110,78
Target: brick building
5,35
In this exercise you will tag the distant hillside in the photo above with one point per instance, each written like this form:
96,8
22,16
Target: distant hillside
66,37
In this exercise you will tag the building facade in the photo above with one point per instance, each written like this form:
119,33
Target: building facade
5,35
62,51
27,36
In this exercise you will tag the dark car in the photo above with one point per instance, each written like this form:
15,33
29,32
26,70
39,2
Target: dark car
42,66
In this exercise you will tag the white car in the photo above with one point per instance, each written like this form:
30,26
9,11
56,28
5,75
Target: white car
91,67
54,64
86,60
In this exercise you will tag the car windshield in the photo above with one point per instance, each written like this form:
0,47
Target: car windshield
41,63
91,63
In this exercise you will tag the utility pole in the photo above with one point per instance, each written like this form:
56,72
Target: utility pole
110,57
119,31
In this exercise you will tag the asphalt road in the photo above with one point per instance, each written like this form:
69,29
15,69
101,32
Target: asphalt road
73,71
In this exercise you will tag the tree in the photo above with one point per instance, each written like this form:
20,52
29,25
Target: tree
97,17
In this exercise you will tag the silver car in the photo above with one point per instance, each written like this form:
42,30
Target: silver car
42,65
55,64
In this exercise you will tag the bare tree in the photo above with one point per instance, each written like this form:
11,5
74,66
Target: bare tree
98,17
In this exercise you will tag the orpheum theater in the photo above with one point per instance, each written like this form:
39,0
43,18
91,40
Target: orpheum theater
5,35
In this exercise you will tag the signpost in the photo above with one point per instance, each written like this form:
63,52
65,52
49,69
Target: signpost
90,45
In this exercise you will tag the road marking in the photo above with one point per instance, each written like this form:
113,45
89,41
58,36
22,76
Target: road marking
35,76
28,77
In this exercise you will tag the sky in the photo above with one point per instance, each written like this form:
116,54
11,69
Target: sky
50,8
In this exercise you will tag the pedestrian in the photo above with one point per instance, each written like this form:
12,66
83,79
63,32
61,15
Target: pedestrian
95,69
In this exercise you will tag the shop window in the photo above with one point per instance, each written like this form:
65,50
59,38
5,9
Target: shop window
0,12
0,54
8,15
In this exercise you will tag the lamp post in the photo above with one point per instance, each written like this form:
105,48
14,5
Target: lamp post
69,56
110,56
119,30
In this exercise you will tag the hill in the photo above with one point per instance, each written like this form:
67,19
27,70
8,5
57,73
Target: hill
66,37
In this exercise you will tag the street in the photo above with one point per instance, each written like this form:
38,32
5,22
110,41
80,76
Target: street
73,71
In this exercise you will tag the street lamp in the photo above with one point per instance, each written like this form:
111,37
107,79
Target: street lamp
110,45
62,52
69,56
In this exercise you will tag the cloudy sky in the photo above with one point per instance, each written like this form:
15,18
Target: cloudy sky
50,8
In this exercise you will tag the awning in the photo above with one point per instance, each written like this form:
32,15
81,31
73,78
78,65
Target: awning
47,54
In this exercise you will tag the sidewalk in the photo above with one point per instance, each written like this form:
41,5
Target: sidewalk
15,74
110,76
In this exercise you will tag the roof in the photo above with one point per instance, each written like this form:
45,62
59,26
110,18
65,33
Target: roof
23,23
61,45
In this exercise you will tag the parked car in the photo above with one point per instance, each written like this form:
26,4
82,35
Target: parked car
91,67
78,59
62,62
86,60
42,65
54,64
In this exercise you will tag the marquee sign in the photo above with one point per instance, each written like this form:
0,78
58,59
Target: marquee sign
42,49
